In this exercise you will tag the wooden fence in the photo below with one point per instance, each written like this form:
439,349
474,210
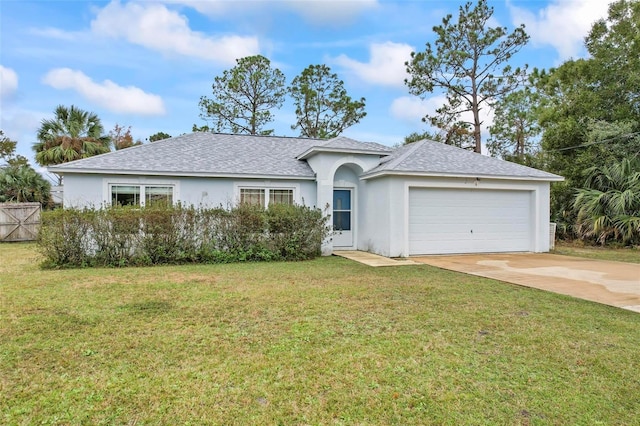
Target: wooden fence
19,221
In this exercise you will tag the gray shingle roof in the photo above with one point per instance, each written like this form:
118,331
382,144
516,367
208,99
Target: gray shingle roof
207,154
345,143
212,154
435,158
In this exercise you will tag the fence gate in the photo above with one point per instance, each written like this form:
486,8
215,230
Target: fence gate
19,221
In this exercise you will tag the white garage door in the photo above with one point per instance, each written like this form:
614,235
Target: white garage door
469,221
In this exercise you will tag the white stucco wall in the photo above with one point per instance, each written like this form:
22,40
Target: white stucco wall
89,190
385,200
82,190
375,216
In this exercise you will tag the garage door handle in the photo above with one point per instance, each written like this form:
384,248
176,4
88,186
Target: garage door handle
472,231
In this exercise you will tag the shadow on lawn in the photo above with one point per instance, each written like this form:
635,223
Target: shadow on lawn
148,307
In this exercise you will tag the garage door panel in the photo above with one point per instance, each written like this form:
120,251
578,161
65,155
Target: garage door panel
468,221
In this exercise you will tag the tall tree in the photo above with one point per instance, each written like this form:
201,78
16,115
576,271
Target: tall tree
159,136
602,88
203,128
244,96
121,137
7,147
515,132
323,108
71,135
8,152
415,137
590,108
453,131
455,134
465,63
614,45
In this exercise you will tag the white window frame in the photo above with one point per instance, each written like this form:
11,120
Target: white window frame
109,183
112,187
267,187
270,192
263,193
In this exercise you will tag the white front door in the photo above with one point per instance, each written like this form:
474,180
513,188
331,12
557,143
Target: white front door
342,218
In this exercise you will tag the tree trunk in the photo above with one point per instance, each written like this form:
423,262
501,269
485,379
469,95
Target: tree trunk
476,126
476,110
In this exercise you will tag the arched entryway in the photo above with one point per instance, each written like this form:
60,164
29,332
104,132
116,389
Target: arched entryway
345,206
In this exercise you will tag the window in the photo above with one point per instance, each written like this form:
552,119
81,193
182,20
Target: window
259,196
125,195
140,195
342,209
154,195
281,196
252,196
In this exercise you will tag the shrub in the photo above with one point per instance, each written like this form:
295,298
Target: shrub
242,231
121,236
115,233
64,239
296,232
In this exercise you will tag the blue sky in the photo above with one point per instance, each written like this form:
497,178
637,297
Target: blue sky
145,64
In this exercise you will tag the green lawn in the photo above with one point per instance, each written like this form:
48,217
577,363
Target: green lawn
322,342
631,255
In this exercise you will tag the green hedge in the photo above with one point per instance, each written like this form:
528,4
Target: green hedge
171,235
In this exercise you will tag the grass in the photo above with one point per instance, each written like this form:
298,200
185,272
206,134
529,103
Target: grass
631,255
326,342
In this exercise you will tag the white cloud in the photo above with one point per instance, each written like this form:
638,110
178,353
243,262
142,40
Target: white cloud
411,109
55,33
17,122
130,99
386,64
154,26
331,12
20,125
213,8
8,82
562,24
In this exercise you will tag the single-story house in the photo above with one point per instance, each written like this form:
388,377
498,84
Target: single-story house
421,198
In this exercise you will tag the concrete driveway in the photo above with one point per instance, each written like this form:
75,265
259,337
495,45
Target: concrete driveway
612,283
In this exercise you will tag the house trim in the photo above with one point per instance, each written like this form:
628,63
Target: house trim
478,176
318,150
180,174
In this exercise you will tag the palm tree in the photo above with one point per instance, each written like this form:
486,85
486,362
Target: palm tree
608,207
22,184
71,135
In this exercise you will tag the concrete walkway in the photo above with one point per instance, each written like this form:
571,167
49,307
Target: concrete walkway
372,259
611,283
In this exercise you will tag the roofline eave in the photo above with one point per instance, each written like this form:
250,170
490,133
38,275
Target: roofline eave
63,171
317,150
382,173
